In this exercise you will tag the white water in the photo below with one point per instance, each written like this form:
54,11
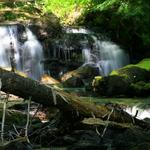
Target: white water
32,54
142,113
8,35
77,30
106,56
28,55
101,53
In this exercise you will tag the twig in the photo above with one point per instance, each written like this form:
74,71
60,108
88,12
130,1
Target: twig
28,120
96,129
54,96
16,130
37,109
3,118
104,131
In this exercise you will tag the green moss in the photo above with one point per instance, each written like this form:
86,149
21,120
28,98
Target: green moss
114,72
137,72
96,80
140,88
130,80
145,64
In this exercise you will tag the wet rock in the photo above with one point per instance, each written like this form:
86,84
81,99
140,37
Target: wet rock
144,146
129,139
73,82
85,139
17,145
87,146
80,77
130,80
140,88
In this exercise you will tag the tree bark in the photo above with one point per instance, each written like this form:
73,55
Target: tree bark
70,104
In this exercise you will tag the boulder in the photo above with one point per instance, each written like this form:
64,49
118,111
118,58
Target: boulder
80,77
132,139
129,80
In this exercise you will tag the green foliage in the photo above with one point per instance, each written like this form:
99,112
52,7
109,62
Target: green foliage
19,11
145,64
64,9
127,21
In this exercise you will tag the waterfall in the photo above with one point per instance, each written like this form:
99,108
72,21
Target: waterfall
141,113
27,54
8,37
106,55
94,49
32,54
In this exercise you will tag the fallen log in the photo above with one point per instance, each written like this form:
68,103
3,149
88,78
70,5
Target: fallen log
70,104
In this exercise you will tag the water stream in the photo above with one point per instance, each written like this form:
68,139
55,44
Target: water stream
28,53
140,113
95,49
77,45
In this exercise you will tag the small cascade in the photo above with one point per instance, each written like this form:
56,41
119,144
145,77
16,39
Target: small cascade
27,53
138,112
32,55
8,38
106,55
82,45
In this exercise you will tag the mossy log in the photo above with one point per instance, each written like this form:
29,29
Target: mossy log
70,104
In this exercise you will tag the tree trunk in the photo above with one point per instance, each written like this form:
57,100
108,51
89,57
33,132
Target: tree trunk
70,104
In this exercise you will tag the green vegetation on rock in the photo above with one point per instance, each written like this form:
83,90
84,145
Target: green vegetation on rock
130,80
145,63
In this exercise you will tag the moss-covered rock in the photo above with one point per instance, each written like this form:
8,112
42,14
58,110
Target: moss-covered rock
73,82
140,88
132,73
129,80
145,64
111,85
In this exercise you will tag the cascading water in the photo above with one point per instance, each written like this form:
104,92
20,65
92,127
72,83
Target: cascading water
96,51
27,54
8,37
32,55
105,55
